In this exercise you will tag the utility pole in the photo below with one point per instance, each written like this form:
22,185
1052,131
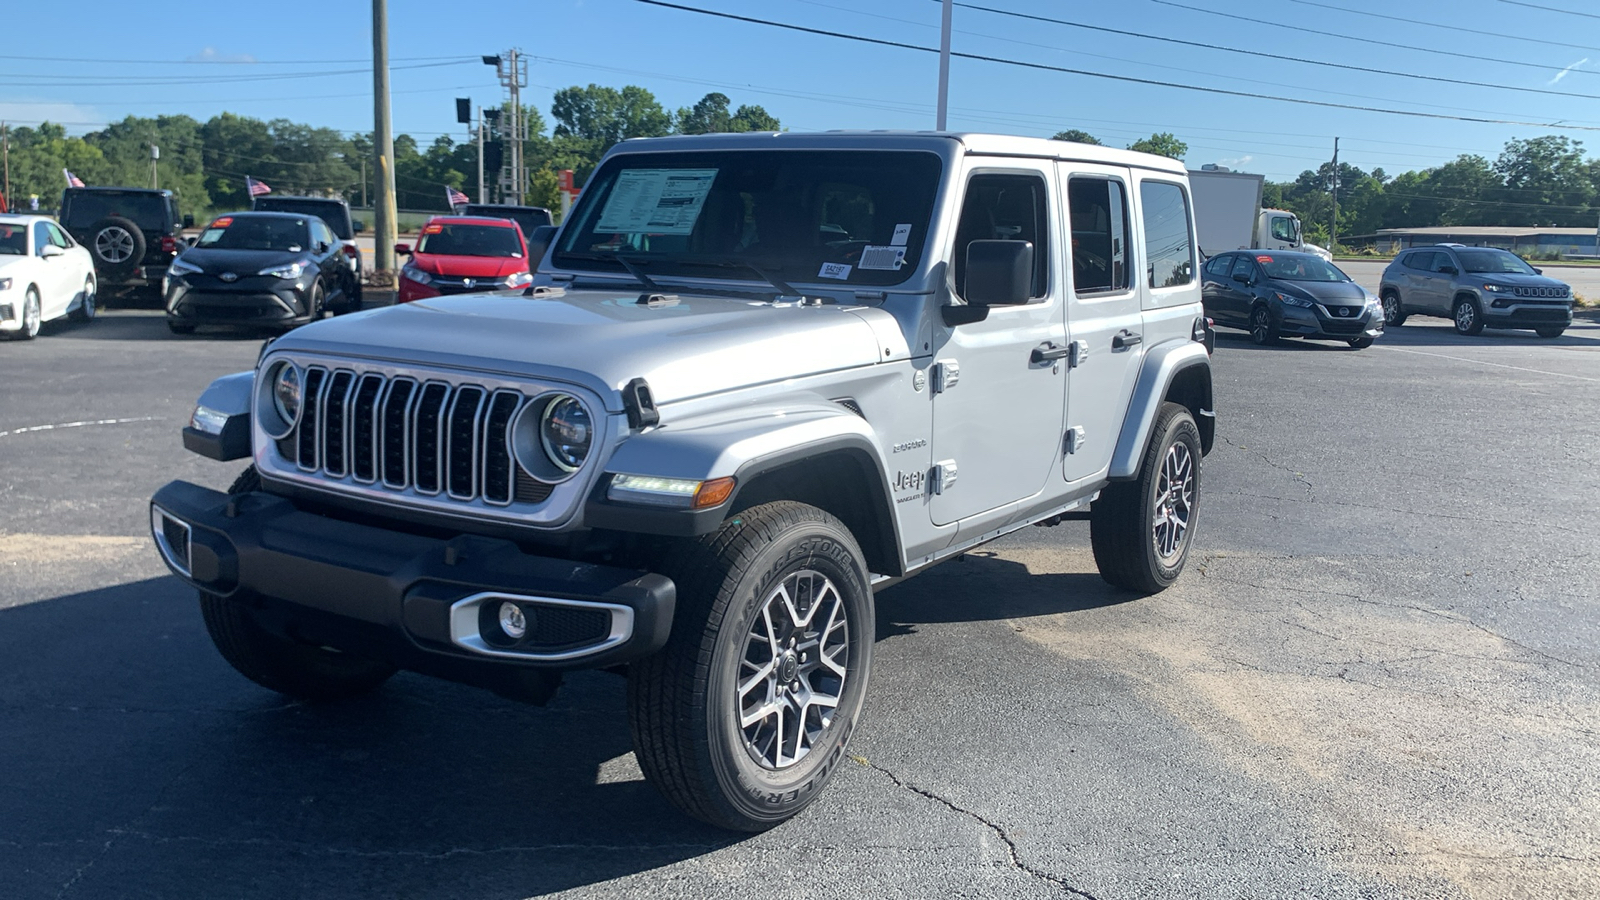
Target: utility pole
512,69
364,182
5,151
944,64
155,178
1333,230
385,232
481,198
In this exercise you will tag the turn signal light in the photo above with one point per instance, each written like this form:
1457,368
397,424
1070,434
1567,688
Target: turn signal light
713,492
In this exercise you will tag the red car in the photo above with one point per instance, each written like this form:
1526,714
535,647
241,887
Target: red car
464,254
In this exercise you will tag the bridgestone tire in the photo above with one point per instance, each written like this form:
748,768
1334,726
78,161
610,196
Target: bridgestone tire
102,247
1550,331
277,663
684,702
1121,521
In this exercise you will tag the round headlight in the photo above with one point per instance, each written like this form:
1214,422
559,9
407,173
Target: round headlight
286,393
566,432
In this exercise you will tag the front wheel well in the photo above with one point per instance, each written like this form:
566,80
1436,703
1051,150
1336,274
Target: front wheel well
846,483
1191,388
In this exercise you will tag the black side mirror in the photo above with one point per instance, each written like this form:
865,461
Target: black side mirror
538,243
999,273
1537,270
188,221
323,247
1241,277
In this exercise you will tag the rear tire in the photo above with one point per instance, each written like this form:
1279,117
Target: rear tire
275,662
1550,331
88,307
1467,317
743,717
1141,530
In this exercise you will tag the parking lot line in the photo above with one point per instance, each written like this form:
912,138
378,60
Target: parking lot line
1496,365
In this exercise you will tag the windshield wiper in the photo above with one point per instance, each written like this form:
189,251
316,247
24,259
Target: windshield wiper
634,266
783,287
630,264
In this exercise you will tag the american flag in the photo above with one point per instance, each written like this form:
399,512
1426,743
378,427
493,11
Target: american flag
257,188
455,197
72,180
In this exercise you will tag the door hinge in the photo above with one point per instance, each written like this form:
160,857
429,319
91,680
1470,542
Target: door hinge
946,375
1080,352
943,475
1074,440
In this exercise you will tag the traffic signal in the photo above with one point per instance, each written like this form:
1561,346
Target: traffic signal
464,110
494,156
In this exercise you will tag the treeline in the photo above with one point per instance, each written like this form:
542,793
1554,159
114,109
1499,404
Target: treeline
206,163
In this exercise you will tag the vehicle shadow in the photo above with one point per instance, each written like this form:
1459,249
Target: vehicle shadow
1242,341
134,755
1583,332
144,325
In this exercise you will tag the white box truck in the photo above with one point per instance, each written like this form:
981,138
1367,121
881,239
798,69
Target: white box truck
1228,215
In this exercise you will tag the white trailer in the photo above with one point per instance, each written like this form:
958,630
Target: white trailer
1228,215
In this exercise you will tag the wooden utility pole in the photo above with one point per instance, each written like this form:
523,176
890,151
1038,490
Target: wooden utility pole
1333,228
5,151
944,65
385,230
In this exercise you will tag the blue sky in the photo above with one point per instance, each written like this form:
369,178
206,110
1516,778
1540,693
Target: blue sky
308,66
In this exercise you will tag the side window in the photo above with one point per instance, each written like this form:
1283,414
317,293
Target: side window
41,238
1440,260
1422,261
1168,244
1006,208
57,236
1097,208
1243,265
1218,266
1282,228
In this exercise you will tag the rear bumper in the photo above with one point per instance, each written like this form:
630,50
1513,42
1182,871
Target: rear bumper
425,604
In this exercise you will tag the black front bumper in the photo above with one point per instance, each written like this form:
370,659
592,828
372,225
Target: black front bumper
422,603
250,301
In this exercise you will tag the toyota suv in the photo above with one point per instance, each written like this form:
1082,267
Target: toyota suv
335,213
763,377
132,233
1476,288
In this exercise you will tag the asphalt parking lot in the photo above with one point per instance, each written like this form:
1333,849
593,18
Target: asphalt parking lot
1379,677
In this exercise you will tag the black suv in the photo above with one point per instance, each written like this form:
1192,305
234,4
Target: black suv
527,217
132,233
331,210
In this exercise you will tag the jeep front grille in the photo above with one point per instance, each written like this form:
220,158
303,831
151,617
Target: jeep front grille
430,436
1530,291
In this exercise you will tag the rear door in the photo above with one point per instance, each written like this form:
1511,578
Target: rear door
997,413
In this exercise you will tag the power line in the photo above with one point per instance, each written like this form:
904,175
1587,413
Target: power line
1417,21
1570,12
226,62
1265,55
79,80
1122,78
1476,58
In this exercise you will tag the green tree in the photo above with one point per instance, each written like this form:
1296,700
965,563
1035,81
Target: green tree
1546,182
1079,137
1162,143
749,117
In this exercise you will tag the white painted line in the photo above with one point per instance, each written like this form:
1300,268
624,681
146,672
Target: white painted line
78,425
1480,362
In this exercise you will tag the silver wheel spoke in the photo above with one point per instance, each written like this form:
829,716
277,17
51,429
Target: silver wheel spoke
794,669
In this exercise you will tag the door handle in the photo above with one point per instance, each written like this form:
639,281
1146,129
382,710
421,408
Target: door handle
1049,352
1126,339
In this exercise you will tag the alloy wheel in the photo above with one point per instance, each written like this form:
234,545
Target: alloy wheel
1260,325
792,676
1465,316
1391,309
113,244
1175,493
88,307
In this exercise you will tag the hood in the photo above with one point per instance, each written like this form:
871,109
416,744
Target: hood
699,345
469,266
1339,293
9,259
244,262
1514,279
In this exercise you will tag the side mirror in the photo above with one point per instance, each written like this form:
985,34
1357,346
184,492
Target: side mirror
358,226
999,273
188,221
191,240
1537,270
402,249
1241,277
322,247
538,243
50,250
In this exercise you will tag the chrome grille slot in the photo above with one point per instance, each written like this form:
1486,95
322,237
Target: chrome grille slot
335,417
310,427
395,441
364,428
461,443
427,437
498,482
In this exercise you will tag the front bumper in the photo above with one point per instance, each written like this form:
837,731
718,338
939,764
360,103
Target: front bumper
1514,313
421,603
1314,323
250,301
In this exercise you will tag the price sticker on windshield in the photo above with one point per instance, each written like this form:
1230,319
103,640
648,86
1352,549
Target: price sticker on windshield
881,258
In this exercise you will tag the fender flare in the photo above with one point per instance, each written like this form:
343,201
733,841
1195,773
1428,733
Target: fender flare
220,427
1162,365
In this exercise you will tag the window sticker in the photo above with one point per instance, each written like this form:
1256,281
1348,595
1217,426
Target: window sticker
223,222
881,258
656,201
840,271
902,233
1263,259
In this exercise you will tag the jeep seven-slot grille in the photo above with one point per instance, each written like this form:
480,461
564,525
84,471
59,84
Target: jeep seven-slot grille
403,434
1533,291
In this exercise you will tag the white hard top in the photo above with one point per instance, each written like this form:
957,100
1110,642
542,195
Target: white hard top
973,143
21,219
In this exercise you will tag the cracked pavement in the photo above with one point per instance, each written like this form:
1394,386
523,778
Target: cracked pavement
1378,678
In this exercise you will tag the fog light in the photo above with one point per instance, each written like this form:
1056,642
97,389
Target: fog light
512,621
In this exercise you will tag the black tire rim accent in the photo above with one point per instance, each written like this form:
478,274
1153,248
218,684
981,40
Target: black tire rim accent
1260,325
1174,502
792,675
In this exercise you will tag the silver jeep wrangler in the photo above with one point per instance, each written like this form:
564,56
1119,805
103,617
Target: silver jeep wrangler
760,377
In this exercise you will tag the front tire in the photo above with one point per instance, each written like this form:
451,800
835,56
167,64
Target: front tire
1468,319
1361,343
743,717
1262,330
31,317
1141,530
1550,331
299,670
180,328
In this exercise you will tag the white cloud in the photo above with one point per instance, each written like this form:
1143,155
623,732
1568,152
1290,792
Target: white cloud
1563,73
1236,162
212,54
77,117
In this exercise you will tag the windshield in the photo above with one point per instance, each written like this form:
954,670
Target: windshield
1300,268
1495,261
856,217
13,240
470,240
255,233
335,214
527,217
148,211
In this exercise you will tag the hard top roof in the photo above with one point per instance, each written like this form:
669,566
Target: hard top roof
472,220
107,189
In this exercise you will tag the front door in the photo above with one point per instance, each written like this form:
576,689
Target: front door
997,412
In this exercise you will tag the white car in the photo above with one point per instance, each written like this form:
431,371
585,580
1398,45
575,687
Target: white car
44,275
